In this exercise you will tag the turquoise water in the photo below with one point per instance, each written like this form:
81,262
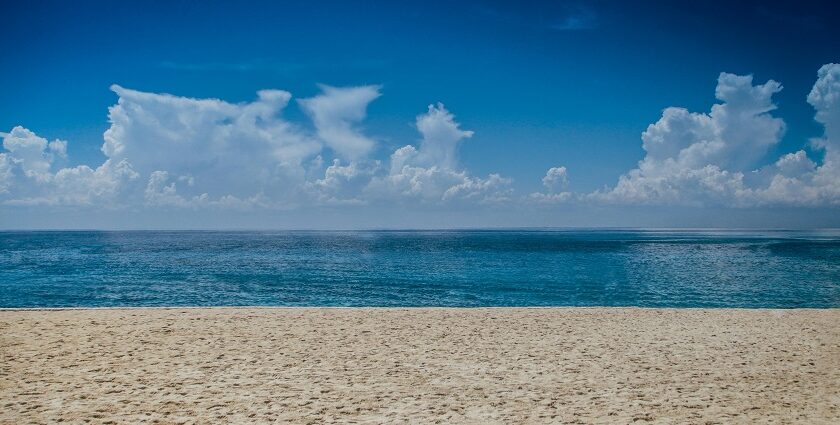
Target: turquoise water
420,268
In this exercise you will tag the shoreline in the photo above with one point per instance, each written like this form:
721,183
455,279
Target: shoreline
283,307
385,364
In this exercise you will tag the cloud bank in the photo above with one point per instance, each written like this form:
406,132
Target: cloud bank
711,158
165,151
170,151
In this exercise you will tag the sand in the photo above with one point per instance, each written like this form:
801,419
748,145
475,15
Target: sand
496,365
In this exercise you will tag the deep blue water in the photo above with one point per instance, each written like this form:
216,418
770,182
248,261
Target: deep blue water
419,268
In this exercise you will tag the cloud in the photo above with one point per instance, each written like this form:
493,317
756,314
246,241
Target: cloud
430,172
29,174
734,135
343,184
162,191
220,148
696,158
335,113
441,136
31,153
183,151
825,98
6,172
796,179
556,180
712,159
166,151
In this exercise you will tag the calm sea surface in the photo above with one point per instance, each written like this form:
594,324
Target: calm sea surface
419,268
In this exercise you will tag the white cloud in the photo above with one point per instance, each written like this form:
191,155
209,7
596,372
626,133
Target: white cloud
435,184
335,113
825,98
733,135
82,185
430,172
795,178
31,153
5,173
29,174
821,184
795,164
441,136
188,152
222,149
343,184
711,159
165,151
170,151
556,180
160,191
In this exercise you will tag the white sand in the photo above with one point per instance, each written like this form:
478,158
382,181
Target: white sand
420,365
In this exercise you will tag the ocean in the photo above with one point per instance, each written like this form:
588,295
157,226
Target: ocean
644,268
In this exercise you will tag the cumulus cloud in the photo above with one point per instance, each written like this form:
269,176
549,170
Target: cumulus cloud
343,184
735,134
556,180
441,136
699,158
30,173
219,148
429,172
817,184
702,159
166,151
177,151
336,112
162,191
32,154
171,151
6,171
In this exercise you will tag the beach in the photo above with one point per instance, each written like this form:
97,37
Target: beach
424,365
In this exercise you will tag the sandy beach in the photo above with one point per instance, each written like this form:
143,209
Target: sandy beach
498,365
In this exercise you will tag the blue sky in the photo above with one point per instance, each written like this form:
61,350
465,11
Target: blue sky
541,85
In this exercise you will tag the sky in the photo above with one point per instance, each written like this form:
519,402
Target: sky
343,115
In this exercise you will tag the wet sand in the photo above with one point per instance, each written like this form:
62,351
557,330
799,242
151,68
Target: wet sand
499,365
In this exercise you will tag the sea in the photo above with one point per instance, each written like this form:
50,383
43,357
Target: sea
448,268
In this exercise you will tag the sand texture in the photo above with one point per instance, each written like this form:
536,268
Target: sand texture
420,366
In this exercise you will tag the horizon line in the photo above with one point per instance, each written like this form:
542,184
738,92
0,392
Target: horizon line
420,229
